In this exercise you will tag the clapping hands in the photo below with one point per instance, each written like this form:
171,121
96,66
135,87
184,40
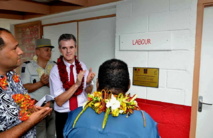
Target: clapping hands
90,76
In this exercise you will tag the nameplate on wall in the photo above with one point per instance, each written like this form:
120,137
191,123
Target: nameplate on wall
148,77
146,41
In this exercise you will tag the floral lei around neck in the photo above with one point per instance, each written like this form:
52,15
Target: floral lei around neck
109,103
64,75
41,70
4,83
25,103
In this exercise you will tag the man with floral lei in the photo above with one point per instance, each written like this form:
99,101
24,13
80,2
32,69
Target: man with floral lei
70,81
18,115
109,111
35,78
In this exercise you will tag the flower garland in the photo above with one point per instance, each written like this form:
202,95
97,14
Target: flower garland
23,100
40,70
110,104
16,78
48,68
64,75
26,105
3,83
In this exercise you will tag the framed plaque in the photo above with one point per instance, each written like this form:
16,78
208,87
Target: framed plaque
148,77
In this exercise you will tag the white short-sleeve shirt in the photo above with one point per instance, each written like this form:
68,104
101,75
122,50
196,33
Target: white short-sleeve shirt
31,73
56,86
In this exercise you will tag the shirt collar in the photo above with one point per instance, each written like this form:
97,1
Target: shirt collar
67,63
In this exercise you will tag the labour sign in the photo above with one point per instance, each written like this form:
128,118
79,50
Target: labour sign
146,41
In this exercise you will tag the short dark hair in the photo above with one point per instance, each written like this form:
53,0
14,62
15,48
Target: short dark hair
66,37
113,74
2,43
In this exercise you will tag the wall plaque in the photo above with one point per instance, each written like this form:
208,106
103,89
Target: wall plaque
148,77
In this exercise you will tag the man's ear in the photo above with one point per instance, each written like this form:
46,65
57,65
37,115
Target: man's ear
37,51
97,84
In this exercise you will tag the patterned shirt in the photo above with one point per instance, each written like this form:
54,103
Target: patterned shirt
9,110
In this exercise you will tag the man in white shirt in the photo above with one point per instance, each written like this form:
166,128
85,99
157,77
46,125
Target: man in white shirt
70,81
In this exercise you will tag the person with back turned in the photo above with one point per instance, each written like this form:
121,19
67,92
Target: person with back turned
109,111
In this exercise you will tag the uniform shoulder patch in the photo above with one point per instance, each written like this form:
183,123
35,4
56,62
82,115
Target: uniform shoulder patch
26,62
23,70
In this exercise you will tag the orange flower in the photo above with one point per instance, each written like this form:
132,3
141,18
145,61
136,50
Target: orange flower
16,78
3,82
23,116
18,98
97,94
89,99
26,105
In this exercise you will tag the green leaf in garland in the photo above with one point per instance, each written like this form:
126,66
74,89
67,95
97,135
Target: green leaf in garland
105,117
84,109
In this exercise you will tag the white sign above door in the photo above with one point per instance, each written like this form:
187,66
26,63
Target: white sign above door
146,41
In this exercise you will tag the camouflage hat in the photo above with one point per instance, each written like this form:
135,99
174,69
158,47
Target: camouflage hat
43,43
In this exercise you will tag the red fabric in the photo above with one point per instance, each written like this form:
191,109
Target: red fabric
73,100
64,75
173,120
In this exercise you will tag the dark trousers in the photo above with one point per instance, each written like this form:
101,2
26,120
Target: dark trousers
60,120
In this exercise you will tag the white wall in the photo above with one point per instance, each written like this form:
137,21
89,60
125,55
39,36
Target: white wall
94,11
178,18
96,37
96,42
53,33
6,23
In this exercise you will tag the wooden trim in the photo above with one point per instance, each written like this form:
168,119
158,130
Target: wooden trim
11,16
77,2
32,9
199,28
81,20
60,9
30,24
99,2
78,40
24,6
196,71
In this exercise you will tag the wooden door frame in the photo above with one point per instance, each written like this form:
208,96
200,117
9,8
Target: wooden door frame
198,41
